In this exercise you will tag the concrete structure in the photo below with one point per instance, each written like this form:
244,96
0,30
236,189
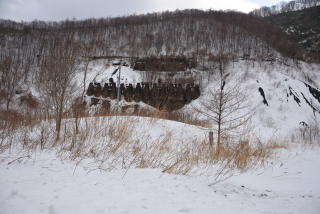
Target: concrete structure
171,97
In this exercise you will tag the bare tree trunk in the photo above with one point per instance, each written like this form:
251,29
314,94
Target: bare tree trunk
219,123
58,125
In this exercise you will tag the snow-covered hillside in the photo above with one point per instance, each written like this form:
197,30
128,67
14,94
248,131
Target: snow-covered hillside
289,99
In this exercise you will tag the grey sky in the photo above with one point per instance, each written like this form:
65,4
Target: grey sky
56,10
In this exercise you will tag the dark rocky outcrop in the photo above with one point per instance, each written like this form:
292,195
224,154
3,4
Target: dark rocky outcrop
263,96
295,96
310,104
315,92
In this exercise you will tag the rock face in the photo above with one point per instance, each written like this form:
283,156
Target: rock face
171,97
263,96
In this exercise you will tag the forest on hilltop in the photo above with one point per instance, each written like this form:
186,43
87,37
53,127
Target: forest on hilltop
193,33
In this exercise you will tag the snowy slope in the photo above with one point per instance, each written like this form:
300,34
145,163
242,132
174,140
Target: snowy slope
282,85
288,104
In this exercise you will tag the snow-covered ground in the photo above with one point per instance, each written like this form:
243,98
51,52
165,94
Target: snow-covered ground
48,185
45,183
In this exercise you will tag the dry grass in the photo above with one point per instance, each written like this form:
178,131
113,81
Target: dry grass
235,157
122,141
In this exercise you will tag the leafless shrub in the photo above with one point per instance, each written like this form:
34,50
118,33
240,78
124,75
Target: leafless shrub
247,154
227,103
29,101
309,133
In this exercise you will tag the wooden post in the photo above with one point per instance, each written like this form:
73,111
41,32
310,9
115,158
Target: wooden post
211,138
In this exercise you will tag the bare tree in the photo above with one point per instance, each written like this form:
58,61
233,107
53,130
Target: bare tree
57,74
10,75
309,132
88,52
226,103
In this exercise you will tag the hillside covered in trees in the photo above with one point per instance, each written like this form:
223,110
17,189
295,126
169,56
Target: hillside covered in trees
298,19
302,27
194,33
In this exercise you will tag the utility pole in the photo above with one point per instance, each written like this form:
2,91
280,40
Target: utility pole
118,93
118,87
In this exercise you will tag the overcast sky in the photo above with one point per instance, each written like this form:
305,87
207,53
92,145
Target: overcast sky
56,10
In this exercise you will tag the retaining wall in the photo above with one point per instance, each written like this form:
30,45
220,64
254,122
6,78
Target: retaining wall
169,96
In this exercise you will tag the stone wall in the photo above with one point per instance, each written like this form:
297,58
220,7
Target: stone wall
166,96
164,63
